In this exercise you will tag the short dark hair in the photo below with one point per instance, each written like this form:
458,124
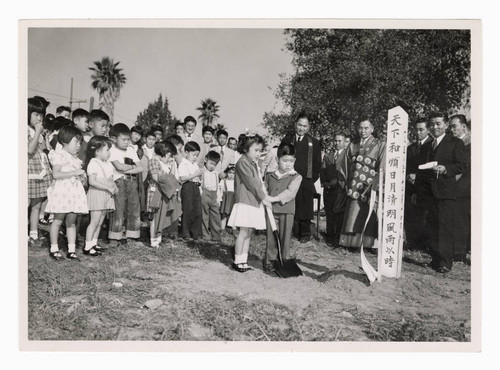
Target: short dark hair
162,148
120,129
222,132
178,123
231,167
461,118
35,105
98,115
63,108
67,133
175,139
420,120
156,128
95,143
246,141
232,138
192,146
302,115
44,101
150,133
286,149
207,128
137,129
61,122
79,112
438,115
189,119
341,133
213,156
47,121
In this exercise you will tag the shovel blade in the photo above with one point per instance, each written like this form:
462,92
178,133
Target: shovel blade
288,268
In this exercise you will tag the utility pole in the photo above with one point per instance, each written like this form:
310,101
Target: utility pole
71,101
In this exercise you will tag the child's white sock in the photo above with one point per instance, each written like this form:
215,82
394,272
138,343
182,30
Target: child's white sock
240,258
71,248
88,245
245,259
54,248
155,241
94,242
34,235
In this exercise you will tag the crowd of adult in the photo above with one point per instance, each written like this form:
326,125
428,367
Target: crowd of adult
437,206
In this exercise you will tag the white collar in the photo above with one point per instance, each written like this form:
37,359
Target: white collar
280,175
438,139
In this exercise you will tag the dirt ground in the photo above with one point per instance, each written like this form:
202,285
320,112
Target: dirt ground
188,291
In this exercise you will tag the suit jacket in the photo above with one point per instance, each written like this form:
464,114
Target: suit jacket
204,149
301,155
227,159
413,161
194,137
335,172
464,180
449,153
248,186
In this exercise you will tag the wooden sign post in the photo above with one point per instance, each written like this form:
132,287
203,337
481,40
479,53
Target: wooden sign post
391,241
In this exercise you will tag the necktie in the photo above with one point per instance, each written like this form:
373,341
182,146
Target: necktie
434,144
419,144
336,155
221,153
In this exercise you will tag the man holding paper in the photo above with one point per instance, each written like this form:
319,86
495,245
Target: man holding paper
442,160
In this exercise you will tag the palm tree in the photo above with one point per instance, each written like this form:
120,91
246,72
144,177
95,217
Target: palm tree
107,80
208,109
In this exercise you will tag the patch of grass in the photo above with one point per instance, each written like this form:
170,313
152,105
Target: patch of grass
404,328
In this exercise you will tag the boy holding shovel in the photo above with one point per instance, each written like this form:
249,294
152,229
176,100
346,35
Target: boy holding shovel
282,186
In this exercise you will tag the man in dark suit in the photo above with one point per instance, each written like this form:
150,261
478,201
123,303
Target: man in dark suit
333,180
307,164
439,190
458,126
415,217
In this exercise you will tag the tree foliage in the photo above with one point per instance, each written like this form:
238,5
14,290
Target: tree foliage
157,113
209,112
108,81
345,75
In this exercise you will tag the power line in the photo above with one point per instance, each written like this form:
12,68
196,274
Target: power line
49,93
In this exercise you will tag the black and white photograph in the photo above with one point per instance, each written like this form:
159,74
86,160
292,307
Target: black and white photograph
289,184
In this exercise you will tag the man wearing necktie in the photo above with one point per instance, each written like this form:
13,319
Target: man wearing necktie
308,165
439,189
461,245
190,126
333,180
227,155
415,217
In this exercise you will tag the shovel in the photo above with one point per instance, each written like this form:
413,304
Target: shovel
283,268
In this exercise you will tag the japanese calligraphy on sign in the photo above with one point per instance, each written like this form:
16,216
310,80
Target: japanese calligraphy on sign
391,240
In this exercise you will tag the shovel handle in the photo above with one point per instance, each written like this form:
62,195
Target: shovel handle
270,216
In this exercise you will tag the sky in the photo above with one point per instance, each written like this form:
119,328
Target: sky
238,68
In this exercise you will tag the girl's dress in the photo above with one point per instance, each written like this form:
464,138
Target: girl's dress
227,187
39,172
100,199
243,214
155,167
66,195
162,198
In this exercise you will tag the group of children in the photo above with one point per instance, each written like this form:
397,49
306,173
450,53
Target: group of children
84,165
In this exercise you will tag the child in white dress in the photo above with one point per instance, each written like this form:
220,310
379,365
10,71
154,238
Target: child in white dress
249,198
66,195
101,190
